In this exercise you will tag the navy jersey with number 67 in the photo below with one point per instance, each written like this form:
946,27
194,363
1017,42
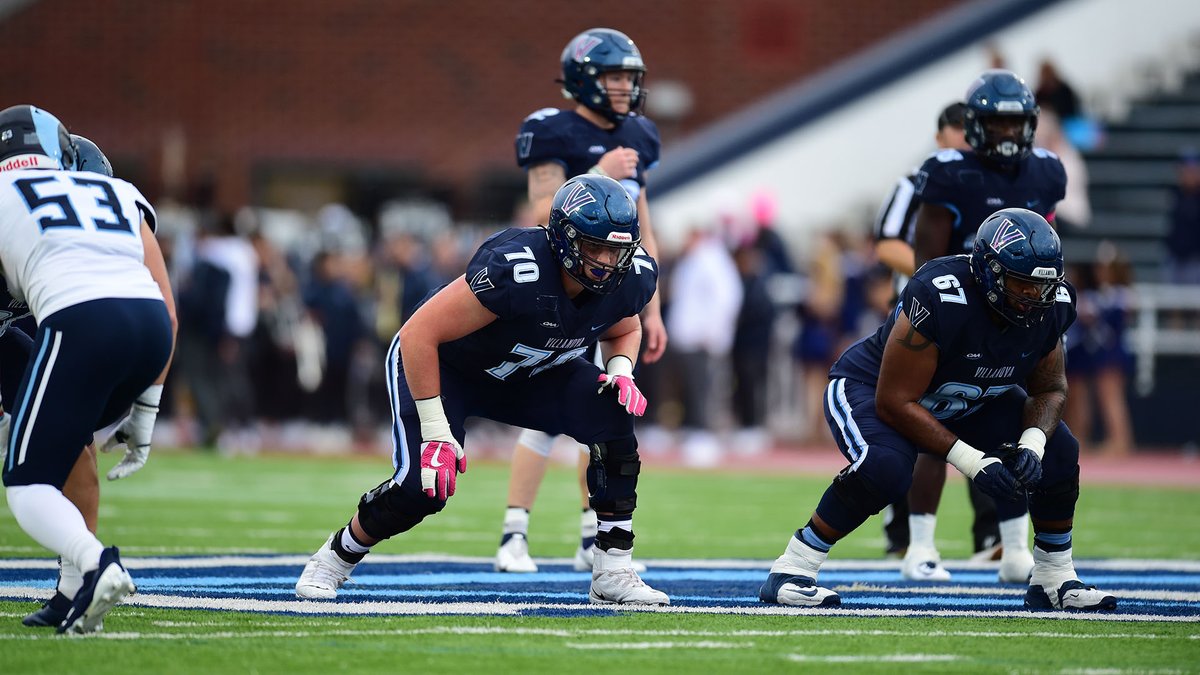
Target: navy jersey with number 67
517,277
978,358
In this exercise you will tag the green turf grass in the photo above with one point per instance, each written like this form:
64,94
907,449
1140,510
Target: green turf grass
191,503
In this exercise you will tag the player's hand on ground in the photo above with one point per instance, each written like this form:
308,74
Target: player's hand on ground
441,462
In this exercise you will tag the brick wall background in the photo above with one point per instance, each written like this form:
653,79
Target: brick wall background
415,95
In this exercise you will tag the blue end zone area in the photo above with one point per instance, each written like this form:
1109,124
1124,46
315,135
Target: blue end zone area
1146,590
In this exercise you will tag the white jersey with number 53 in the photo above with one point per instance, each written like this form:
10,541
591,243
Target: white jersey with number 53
67,237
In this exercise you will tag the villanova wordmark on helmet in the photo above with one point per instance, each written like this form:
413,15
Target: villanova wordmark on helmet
592,53
1018,244
594,231
1000,117
31,138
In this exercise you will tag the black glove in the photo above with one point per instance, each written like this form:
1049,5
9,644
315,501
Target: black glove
1021,462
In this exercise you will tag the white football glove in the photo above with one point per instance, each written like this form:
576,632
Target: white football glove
134,433
5,425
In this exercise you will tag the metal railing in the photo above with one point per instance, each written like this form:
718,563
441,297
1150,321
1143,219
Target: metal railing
1167,323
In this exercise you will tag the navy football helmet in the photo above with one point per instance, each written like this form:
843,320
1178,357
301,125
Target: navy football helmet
31,138
594,231
596,51
88,157
1018,245
996,97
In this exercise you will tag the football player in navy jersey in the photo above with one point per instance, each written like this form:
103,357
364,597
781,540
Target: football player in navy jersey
78,247
509,341
605,134
969,367
958,191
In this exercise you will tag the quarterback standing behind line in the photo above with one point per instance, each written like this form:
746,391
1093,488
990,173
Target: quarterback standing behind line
972,357
78,247
508,341
605,134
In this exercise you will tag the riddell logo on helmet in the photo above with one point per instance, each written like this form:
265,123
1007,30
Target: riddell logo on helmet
28,162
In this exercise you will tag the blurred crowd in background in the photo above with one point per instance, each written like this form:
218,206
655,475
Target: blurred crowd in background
285,316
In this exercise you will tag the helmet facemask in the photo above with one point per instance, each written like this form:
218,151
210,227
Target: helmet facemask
1017,307
587,263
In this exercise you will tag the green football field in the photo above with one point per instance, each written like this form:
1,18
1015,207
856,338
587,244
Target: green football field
193,505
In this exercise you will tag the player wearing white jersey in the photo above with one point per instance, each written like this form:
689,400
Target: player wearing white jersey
79,249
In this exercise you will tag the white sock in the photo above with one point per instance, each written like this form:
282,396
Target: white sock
70,579
1052,569
920,529
516,521
609,525
54,522
1014,534
350,544
799,559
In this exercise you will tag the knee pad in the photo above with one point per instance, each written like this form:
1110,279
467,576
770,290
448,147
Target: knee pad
851,499
612,476
389,509
539,442
1055,501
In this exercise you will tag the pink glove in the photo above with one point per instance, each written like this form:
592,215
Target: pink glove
628,394
441,462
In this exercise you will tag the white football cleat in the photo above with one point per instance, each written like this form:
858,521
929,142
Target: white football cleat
324,574
796,591
614,581
1072,595
923,563
1016,565
102,589
513,555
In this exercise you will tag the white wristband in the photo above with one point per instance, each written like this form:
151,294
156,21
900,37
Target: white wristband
151,397
434,426
1034,439
965,458
619,365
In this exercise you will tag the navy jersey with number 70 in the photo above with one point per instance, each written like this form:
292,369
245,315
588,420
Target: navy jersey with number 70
978,358
517,277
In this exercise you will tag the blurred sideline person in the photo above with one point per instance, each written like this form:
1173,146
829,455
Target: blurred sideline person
958,191
508,341
972,357
893,247
603,134
83,484
79,248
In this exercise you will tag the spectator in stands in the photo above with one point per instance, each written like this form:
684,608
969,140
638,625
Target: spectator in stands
1055,94
1074,212
330,299
1183,238
1098,359
816,345
706,295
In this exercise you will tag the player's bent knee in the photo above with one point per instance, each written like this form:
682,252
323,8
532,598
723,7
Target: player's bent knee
1055,499
853,497
612,476
389,509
